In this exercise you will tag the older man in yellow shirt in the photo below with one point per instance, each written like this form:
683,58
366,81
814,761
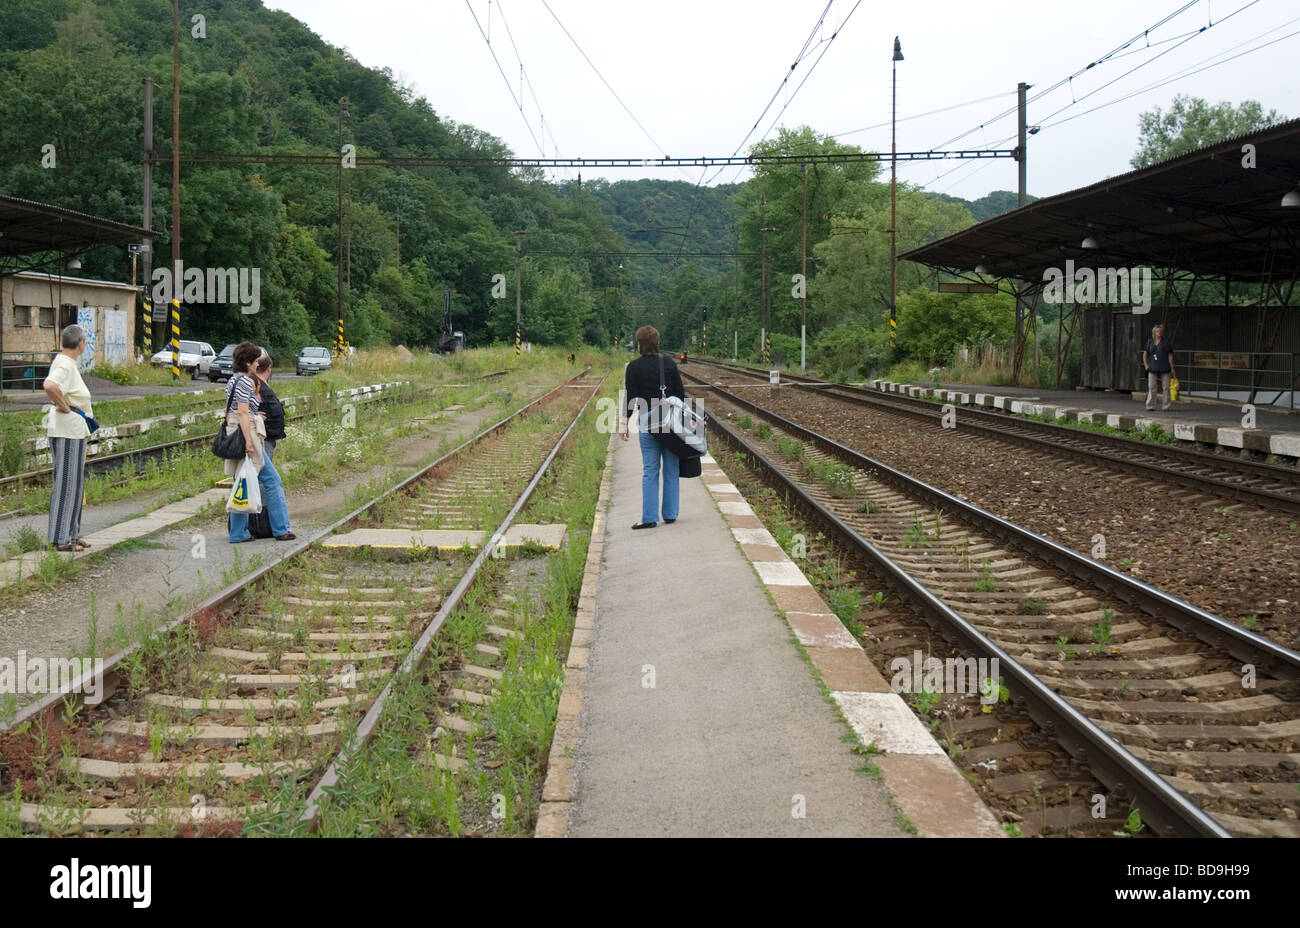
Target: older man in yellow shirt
68,431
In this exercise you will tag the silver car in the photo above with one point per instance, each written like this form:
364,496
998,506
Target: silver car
314,360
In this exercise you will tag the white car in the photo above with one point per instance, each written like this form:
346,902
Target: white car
195,358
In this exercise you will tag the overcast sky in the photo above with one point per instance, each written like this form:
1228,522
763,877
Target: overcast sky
697,74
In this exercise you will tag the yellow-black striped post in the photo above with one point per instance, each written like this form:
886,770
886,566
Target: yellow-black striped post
767,350
176,340
339,343
893,331
518,344
147,334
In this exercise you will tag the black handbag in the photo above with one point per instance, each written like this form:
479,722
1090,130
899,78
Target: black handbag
229,447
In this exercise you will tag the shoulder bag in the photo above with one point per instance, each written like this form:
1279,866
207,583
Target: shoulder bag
676,424
229,446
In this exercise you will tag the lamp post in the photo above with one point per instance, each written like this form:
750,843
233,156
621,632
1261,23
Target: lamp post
343,113
893,195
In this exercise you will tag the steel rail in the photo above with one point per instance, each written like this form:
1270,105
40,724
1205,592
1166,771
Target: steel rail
1168,810
73,689
365,729
1056,439
1213,630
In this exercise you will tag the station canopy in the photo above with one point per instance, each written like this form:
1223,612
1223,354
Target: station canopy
1204,212
29,229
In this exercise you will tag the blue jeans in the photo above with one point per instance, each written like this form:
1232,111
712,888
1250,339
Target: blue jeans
268,479
652,452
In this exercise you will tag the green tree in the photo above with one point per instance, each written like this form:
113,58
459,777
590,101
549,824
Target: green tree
852,283
1192,123
932,325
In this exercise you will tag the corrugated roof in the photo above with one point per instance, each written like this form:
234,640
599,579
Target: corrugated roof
28,227
1203,212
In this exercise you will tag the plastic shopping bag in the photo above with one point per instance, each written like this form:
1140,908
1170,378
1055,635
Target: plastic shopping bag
1173,389
245,494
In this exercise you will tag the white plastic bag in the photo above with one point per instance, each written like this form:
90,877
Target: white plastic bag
245,494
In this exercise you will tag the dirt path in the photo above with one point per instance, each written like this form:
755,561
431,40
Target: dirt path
184,565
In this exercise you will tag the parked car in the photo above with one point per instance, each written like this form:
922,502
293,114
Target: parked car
219,370
314,360
223,364
195,357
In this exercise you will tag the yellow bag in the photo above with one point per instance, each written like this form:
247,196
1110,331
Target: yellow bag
1173,389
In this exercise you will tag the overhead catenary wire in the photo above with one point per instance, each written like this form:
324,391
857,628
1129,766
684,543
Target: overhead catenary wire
614,93
509,88
528,81
1065,81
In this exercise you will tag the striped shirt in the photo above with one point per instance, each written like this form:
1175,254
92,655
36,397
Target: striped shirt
241,386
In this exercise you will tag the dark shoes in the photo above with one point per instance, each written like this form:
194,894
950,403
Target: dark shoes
670,521
287,536
645,525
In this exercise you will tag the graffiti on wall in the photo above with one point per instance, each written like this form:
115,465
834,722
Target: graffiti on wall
86,319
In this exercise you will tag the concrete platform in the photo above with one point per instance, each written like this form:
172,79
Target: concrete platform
550,537
1196,420
688,710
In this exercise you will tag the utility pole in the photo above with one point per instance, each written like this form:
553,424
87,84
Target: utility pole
803,276
704,338
1018,351
763,230
893,196
147,219
519,294
343,111
176,189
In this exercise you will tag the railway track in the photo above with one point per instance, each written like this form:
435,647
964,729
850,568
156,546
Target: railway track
223,722
1268,485
135,459
1187,718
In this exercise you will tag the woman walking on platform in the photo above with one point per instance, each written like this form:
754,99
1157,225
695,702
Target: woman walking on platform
68,430
641,385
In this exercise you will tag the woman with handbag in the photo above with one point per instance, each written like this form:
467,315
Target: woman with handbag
242,404
68,426
641,383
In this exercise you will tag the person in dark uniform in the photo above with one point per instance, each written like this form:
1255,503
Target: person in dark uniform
1158,359
271,409
641,385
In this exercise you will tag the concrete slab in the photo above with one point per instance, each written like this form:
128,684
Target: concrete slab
550,537
698,715
883,719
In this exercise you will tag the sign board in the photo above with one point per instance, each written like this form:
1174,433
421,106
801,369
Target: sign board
957,286
1221,360
774,377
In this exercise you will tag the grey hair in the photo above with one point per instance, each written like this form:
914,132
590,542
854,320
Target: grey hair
73,336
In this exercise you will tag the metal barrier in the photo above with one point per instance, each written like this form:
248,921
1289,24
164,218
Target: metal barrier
1235,373
24,369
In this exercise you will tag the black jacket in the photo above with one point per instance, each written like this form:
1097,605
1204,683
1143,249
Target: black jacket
641,381
270,404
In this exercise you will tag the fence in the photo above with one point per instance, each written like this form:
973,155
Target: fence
24,370
1267,378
